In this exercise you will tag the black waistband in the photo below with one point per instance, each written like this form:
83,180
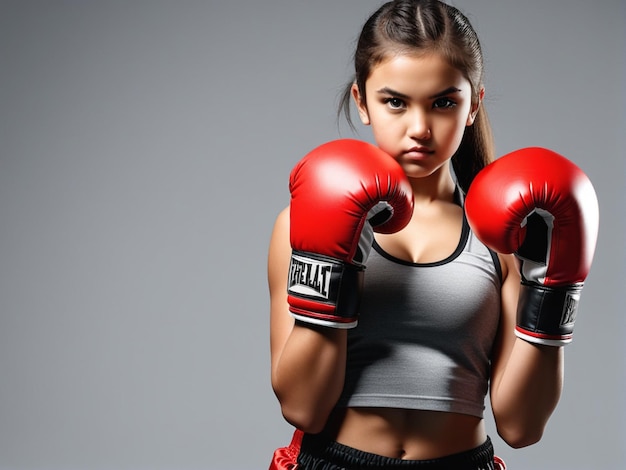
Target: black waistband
320,453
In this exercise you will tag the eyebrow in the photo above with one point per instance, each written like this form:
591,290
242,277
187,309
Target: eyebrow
447,91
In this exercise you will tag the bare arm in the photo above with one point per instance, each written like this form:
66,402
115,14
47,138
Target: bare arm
308,363
527,378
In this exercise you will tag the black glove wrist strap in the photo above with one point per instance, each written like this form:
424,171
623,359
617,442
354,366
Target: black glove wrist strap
546,315
327,281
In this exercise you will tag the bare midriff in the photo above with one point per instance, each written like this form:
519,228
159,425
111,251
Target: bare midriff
406,434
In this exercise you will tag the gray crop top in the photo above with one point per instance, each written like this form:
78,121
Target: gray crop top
425,331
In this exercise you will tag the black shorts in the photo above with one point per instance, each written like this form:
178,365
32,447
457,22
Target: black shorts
319,453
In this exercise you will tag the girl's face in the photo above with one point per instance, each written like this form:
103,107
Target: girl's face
418,107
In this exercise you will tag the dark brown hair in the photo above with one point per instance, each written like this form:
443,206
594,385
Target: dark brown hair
418,26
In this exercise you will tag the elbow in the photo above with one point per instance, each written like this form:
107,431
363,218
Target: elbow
306,419
520,427
520,441
519,436
302,412
306,404
519,430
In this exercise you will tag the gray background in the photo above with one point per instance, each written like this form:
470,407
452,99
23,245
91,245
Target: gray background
144,153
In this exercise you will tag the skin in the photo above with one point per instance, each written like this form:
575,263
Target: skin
418,107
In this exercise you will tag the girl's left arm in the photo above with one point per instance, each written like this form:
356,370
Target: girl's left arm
526,379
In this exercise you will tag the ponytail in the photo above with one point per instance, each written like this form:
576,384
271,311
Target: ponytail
475,152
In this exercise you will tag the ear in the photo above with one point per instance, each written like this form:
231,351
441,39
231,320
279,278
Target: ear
475,107
360,105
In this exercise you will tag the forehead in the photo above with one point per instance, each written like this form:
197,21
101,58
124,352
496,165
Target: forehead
417,75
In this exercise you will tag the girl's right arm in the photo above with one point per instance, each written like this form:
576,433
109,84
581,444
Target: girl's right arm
308,362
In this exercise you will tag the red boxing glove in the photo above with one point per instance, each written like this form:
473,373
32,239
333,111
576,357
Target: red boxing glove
542,207
340,192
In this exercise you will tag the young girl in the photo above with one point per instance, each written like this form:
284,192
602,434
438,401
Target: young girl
406,386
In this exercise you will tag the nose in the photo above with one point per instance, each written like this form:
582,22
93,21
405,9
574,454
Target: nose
418,127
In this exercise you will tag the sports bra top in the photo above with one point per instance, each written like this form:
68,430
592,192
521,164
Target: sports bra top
426,331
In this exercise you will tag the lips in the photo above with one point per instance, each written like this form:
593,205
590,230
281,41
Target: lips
418,152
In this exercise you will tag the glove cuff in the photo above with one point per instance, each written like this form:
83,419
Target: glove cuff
546,315
323,290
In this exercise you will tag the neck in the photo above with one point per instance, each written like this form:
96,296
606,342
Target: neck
438,186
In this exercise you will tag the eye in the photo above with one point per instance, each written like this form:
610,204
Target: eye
394,103
444,103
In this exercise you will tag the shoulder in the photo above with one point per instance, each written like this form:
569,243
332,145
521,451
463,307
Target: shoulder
280,232
510,270
510,283
282,220
508,313
509,295
280,247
